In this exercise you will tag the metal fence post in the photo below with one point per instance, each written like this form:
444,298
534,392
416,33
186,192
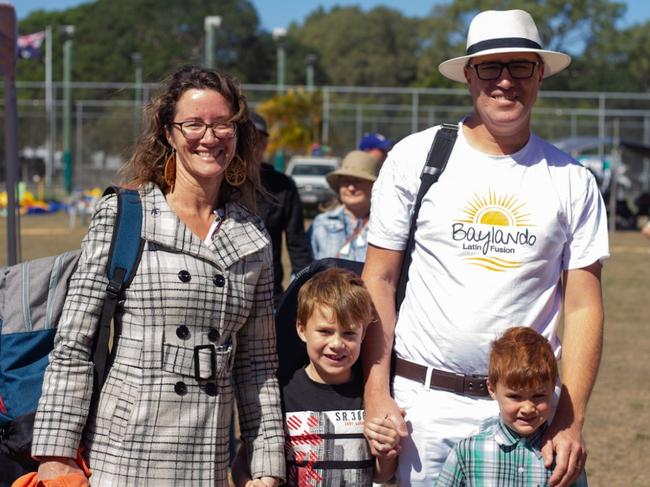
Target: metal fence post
79,114
8,38
326,114
415,110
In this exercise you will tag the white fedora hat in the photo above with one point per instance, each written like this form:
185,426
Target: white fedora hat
493,32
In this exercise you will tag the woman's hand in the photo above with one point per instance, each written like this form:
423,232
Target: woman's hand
52,467
263,482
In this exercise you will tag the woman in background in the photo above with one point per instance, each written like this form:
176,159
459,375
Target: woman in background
341,232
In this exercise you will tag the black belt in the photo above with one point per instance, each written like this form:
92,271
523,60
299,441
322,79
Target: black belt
467,385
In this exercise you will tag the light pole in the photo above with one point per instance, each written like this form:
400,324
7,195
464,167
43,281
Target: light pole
279,33
310,60
67,34
136,57
210,23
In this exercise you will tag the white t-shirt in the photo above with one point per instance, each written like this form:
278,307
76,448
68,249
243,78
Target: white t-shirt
493,237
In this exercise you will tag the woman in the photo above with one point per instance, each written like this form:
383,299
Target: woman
341,232
195,319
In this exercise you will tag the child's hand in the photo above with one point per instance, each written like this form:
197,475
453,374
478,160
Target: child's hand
382,435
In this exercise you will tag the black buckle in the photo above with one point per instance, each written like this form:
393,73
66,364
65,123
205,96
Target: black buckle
475,385
197,363
115,283
113,289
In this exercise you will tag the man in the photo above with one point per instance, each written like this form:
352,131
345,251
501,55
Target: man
513,233
376,145
281,211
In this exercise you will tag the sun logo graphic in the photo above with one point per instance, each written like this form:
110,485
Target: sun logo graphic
493,226
502,211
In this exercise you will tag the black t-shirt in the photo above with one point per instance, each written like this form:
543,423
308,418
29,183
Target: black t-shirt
324,433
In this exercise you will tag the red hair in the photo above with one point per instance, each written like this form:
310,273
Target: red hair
522,358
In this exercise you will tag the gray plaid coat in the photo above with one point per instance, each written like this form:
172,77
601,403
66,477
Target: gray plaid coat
164,412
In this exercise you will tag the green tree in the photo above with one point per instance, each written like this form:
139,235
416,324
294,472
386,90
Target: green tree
167,35
631,63
353,47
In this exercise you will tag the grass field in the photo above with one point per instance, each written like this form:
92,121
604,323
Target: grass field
618,424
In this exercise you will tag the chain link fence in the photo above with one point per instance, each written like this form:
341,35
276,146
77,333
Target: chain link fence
107,117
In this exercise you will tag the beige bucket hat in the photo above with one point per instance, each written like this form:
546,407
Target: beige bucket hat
493,32
357,164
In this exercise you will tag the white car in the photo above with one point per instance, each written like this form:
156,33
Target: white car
309,174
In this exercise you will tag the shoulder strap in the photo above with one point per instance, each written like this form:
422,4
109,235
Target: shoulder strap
124,257
437,159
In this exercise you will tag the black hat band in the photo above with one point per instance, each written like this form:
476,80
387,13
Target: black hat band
507,42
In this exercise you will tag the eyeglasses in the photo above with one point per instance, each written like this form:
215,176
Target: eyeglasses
196,129
517,69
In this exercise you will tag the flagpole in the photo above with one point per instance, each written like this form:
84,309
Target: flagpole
49,107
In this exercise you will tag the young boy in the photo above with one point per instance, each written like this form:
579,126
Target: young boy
323,402
522,375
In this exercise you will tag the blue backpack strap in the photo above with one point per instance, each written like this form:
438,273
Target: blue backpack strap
126,244
124,257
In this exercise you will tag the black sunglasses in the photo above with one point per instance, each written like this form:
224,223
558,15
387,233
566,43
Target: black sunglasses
492,70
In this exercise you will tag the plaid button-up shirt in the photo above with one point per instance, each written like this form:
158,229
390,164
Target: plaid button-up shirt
497,456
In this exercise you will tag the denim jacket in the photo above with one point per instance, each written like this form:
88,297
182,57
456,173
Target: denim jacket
330,231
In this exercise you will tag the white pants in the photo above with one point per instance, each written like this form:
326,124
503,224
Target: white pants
436,421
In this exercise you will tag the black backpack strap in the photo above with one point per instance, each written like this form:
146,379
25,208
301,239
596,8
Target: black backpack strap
437,159
124,257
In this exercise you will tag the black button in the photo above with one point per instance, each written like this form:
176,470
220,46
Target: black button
213,335
184,276
211,389
219,280
180,388
183,332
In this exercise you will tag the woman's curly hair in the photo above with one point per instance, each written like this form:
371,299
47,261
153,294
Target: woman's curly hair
146,165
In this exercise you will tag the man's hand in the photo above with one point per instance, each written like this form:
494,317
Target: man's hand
582,343
384,409
567,447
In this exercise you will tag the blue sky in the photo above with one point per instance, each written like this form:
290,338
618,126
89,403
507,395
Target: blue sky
280,13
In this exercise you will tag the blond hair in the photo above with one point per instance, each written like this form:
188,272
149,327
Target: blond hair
339,290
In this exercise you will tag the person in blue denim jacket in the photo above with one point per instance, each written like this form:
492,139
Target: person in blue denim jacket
341,232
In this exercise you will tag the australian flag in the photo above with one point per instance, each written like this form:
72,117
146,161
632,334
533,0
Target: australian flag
29,46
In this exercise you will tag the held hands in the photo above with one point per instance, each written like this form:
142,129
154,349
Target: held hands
241,475
382,436
570,454
385,427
